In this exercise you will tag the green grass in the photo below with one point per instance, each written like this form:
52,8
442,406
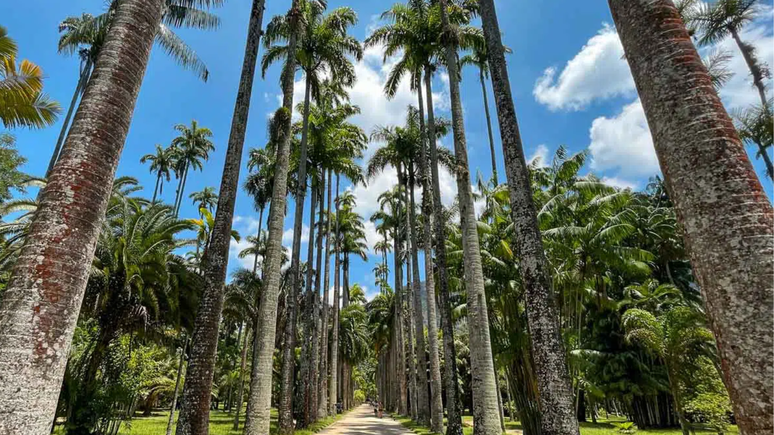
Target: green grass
221,423
601,427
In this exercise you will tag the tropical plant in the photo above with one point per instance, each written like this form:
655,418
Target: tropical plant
205,199
85,36
189,151
162,163
22,100
710,224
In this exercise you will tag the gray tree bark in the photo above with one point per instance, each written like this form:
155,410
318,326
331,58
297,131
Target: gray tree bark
259,401
40,306
333,358
180,365
285,423
453,411
489,128
324,366
195,413
423,403
485,412
720,202
399,360
436,401
242,367
547,347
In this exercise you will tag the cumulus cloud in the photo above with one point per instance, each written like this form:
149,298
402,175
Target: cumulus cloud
246,226
619,182
598,71
287,235
623,143
539,156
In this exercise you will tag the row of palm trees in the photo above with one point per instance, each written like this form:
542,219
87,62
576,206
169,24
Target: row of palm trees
722,207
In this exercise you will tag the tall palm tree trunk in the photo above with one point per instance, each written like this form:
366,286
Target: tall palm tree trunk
40,305
82,82
324,366
436,401
547,347
195,413
409,321
180,366
727,218
242,368
333,357
755,69
318,386
423,403
181,189
285,409
399,361
309,361
453,411
485,412
489,128
258,241
156,188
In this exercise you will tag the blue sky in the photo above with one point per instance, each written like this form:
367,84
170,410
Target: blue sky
570,84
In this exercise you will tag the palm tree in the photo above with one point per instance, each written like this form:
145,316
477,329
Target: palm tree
34,315
722,18
485,408
547,347
323,46
205,199
478,58
194,415
415,31
755,128
161,163
85,35
390,216
259,403
724,211
22,101
336,143
189,150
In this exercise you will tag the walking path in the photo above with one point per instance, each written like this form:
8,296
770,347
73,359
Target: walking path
361,421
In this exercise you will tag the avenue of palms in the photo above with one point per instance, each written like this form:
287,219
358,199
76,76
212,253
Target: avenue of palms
536,300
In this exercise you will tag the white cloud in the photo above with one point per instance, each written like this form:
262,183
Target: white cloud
598,71
541,153
623,143
287,235
619,183
246,226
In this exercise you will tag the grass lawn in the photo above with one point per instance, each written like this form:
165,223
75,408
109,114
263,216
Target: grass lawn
602,427
221,423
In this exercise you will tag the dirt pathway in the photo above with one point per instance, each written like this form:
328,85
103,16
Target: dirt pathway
361,421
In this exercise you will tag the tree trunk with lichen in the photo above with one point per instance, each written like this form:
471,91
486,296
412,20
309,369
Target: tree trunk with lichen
485,412
720,203
547,347
324,366
333,354
261,381
195,413
436,400
285,423
453,411
40,306
423,404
